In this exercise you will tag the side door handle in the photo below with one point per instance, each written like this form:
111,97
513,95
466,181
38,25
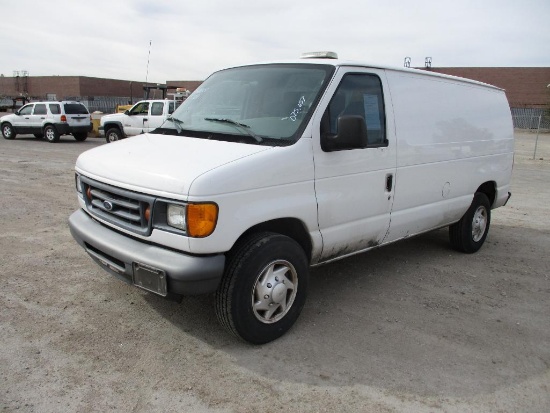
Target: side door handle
389,182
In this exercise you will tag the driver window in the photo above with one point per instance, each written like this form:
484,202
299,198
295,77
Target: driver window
26,110
359,95
140,109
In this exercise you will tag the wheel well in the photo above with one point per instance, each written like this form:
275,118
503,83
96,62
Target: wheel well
108,126
489,189
291,227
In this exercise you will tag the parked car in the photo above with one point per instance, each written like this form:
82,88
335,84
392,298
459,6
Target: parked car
144,116
48,120
269,169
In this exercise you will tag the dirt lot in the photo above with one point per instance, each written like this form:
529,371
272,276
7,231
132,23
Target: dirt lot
412,327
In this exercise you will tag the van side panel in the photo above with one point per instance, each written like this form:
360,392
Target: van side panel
452,136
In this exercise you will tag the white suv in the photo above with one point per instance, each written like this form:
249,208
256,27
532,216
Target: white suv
49,120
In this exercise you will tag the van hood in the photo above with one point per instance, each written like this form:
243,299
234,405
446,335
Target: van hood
161,165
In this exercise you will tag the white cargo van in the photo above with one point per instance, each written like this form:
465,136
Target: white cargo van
268,169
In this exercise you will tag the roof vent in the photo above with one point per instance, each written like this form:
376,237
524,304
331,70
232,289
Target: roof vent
319,55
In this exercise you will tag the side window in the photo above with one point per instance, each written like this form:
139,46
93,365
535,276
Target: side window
358,95
140,109
40,109
156,108
55,109
26,110
171,108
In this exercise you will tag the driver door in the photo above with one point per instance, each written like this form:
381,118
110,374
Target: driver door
136,121
355,185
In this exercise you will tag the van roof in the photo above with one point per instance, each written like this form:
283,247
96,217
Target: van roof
352,63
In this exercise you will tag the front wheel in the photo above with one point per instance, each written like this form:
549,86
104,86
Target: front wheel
264,287
468,234
51,134
7,131
112,135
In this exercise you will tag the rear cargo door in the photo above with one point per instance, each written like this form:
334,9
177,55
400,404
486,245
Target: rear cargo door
355,187
77,114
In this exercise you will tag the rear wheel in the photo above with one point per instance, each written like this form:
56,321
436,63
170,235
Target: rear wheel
112,135
8,132
264,287
469,234
51,134
81,136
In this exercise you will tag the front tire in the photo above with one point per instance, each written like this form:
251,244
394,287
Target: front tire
113,135
469,234
51,134
264,287
8,132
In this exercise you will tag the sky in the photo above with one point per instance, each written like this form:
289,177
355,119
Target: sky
160,40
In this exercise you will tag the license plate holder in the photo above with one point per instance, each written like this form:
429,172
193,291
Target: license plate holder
149,278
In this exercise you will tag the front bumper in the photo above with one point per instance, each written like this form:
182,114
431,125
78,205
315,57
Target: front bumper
116,253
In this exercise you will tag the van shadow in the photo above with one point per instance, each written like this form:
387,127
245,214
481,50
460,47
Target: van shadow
414,316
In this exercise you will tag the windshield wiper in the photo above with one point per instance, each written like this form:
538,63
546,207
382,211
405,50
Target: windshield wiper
239,125
177,123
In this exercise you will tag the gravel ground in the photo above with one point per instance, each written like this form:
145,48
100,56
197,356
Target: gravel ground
414,326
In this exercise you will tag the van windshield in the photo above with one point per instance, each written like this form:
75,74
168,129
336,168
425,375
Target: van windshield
268,104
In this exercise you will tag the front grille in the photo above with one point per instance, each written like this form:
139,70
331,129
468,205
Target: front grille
123,208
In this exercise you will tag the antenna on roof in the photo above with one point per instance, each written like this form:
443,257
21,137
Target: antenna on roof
148,57
407,62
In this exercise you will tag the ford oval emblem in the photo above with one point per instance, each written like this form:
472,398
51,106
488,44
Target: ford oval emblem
107,205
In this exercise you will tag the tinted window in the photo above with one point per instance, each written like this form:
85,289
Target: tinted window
75,109
359,95
171,107
40,109
55,109
156,108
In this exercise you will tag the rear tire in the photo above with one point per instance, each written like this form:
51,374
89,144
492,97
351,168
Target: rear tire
113,135
80,136
51,134
264,287
469,234
8,132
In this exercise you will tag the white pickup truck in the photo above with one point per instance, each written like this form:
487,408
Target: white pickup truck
269,169
143,117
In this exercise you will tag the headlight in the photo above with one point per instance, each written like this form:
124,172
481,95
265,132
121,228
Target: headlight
78,183
197,220
176,216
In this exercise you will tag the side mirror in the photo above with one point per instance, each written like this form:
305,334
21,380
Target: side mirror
352,134
127,112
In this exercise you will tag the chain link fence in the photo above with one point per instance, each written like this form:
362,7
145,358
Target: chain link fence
532,132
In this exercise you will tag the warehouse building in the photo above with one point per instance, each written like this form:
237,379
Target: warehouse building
527,89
